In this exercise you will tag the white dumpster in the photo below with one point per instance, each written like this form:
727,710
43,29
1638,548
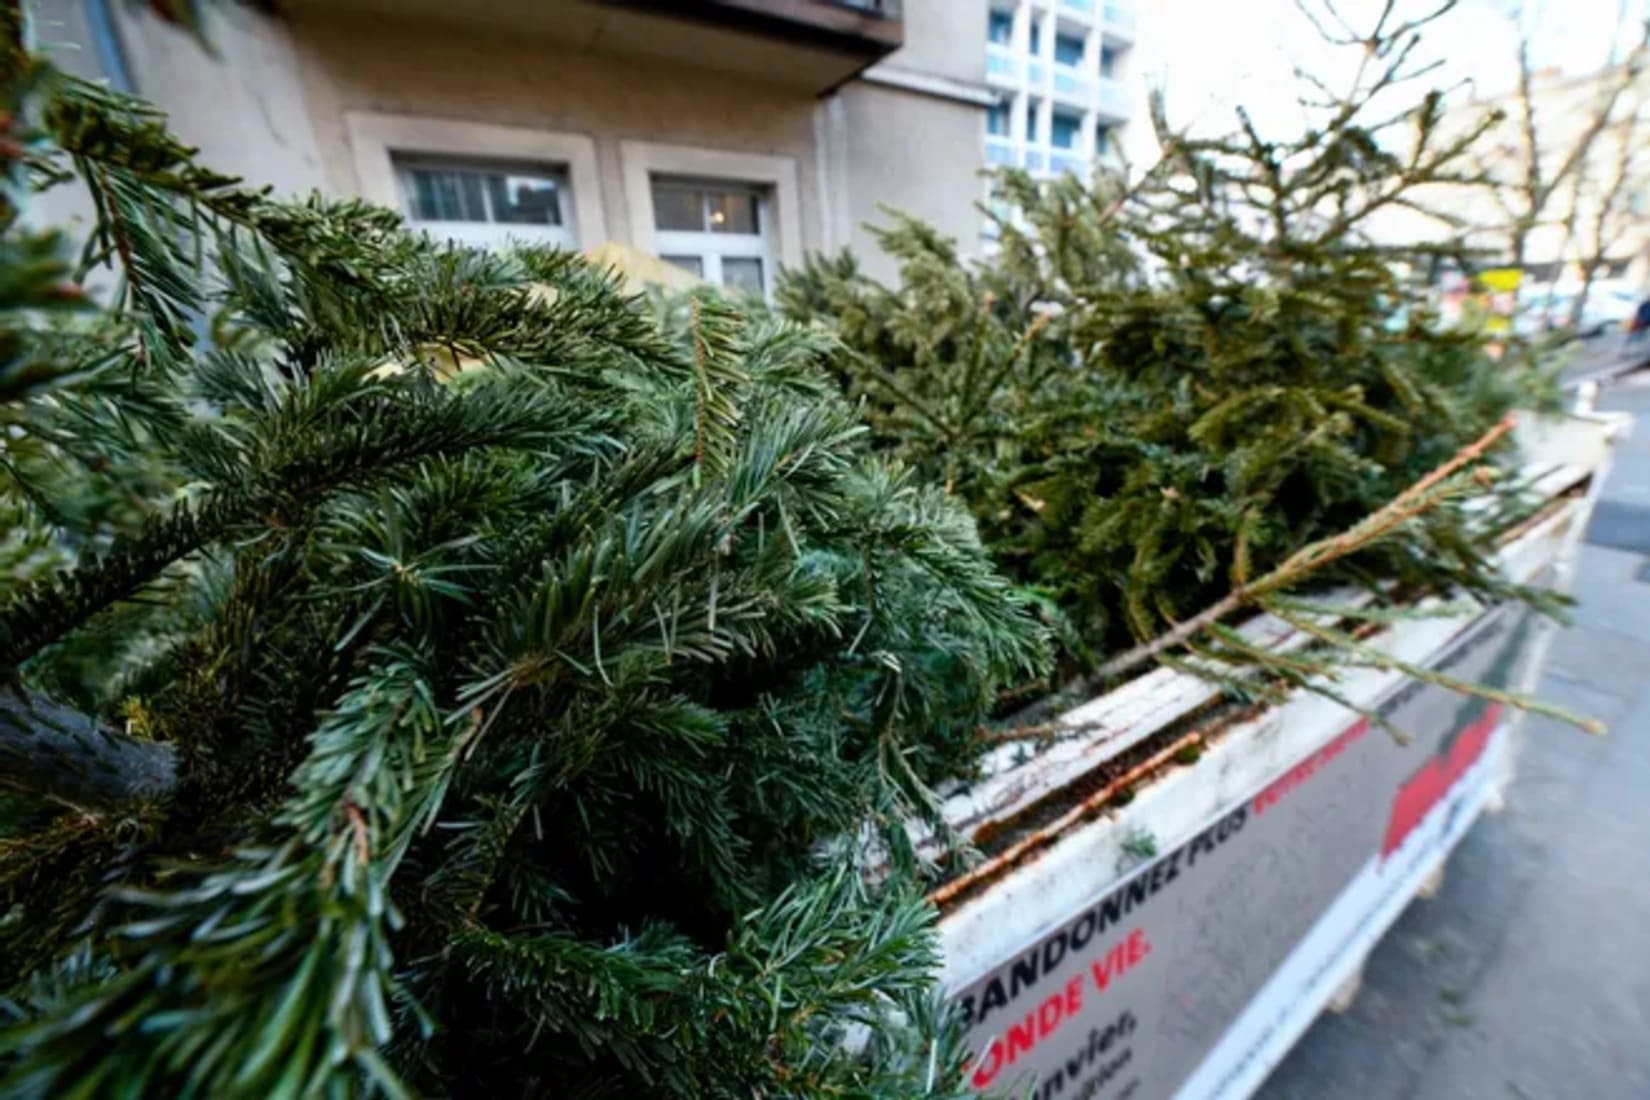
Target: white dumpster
1171,897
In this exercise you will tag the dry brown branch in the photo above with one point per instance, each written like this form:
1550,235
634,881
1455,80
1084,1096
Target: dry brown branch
1309,559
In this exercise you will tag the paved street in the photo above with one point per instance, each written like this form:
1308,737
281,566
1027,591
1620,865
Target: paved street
1528,977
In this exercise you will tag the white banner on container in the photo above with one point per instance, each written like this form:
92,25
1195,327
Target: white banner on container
1180,974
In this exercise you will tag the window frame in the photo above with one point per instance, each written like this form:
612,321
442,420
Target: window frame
996,19
490,233
640,161
377,140
1082,48
1003,109
1073,121
711,248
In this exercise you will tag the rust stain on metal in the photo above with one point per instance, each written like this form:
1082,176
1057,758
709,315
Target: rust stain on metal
1544,513
990,833
949,894
1211,724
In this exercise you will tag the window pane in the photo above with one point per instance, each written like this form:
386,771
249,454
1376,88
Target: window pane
1108,61
444,200
480,192
742,273
1036,37
733,212
446,196
1001,27
422,199
1102,138
687,263
676,206
1033,112
524,200
1063,134
473,205
1068,50
996,120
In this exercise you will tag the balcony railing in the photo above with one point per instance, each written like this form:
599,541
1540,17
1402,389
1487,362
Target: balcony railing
816,45
1035,157
1066,161
1001,65
1071,83
1113,100
1120,21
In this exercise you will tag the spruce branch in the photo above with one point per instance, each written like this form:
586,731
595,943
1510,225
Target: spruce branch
1366,655
1305,562
294,478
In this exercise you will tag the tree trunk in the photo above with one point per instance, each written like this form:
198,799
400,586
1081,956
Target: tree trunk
1589,270
61,755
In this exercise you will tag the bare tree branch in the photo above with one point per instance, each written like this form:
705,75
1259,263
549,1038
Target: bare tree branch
1533,177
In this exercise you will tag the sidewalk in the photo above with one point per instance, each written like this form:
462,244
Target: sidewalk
1606,357
1528,976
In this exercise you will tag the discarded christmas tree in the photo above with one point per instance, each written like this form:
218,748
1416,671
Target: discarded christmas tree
1161,386
429,673
425,675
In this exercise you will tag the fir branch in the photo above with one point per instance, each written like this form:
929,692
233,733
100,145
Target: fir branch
43,613
716,378
1363,654
1304,563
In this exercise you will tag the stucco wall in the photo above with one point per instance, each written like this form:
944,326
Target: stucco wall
243,107
916,153
274,105
379,66
943,37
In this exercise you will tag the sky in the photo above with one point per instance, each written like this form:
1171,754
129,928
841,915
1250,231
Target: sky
1244,51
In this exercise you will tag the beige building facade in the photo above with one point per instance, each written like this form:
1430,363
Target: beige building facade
728,136
1598,210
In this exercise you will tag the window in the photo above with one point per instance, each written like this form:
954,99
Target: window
1102,139
1063,132
1001,28
1068,49
529,164
715,229
481,202
1036,37
1108,61
996,119
1034,110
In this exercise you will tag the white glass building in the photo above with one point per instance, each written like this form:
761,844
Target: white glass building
1058,68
